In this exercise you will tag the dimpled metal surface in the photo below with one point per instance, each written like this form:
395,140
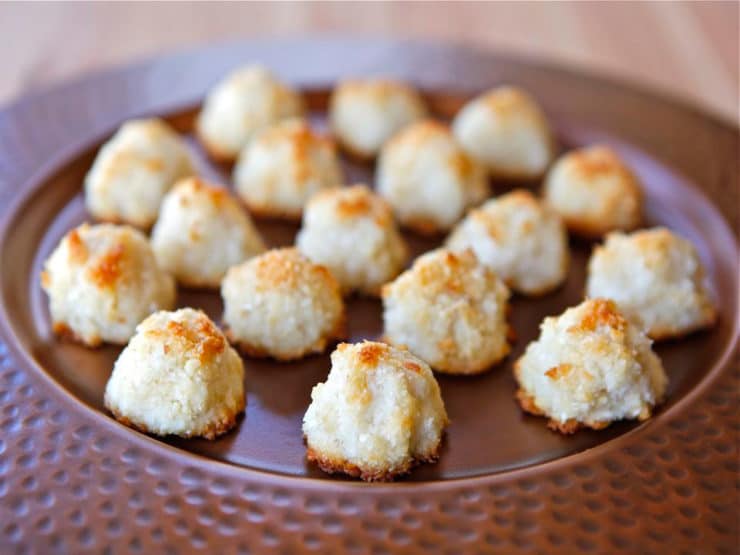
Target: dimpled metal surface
72,481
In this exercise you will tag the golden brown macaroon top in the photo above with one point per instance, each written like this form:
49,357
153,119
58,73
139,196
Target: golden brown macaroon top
369,355
615,191
298,134
446,273
598,160
371,352
518,198
412,367
286,268
105,271
199,337
353,205
506,99
600,313
377,88
462,164
559,371
123,159
357,201
197,186
521,197
419,132
569,373
77,248
108,269
654,244
154,130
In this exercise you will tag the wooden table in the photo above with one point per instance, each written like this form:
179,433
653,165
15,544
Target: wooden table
688,50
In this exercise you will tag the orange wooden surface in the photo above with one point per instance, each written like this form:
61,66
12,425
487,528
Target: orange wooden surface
689,50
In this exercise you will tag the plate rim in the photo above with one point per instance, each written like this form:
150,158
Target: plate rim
34,186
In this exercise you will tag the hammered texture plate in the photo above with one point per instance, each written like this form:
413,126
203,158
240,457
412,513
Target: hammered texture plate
72,480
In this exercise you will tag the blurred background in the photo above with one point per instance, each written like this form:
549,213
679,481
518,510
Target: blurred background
687,50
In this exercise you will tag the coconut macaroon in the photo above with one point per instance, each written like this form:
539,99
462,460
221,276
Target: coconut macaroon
378,414
506,130
283,167
590,367
352,232
523,241
201,232
427,178
178,375
103,280
133,171
364,113
451,311
594,192
282,305
246,101
656,278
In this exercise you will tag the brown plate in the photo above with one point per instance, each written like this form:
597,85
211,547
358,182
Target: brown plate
71,478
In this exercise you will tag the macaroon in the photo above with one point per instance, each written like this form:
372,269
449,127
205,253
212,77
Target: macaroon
102,280
378,414
594,191
283,167
177,376
133,171
590,367
241,105
201,232
519,238
352,232
365,113
656,278
506,130
427,178
281,305
451,311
